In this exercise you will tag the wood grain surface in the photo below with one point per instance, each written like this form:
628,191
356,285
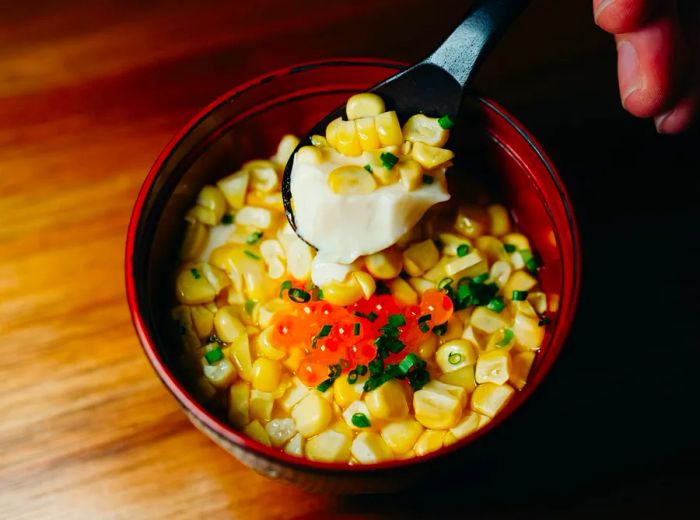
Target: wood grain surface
90,91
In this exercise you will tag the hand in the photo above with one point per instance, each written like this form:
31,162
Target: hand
658,57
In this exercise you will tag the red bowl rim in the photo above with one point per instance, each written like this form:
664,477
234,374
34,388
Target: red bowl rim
227,432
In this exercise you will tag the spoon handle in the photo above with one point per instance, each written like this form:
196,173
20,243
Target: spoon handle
461,53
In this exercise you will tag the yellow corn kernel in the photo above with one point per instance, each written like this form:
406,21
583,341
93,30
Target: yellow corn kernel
285,148
527,330
388,401
193,288
261,404
491,248
264,313
295,446
400,436
463,377
475,336
468,425
351,179
420,257
346,393
329,446
273,255
472,221
294,394
438,405
388,128
420,285
294,359
430,156
411,174
256,432
265,348
367,284
452,243
201,214
234,188
385,264
354,408
518,240
216,277
426,348
522,363
461,263
299,255
403,292
319,141
239,404
483,421
196,236
263,177
538,300
449,439
221,374
210,197
342,135
488,321
423,129
430,440
259,218
367,134
281,431
455,354
500,273
228,326
500,219
310,154
488,399
385,176
370,448
493,367
240,352
519,281
502,339
312,414
365,104
343,293
202,320
454,329
266,374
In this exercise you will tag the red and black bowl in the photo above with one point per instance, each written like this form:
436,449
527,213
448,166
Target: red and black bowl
247,122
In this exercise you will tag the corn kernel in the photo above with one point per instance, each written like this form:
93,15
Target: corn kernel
265,312
459,264
193,288
228,326
266,374
493,367
527,330
213,199
488,399
500,219
260,218
429,441
239,404
522,363
502,339
202,320
370,448
310,154
488,321
472,221
420,257
365,104
261,404
491,248
281,431
423,129
454,329
273,255
400,436
295,446
312,414
455,354
216,277
201,214
346,393
264,178
426,348
319,140
351,179
299,255
500,273
367,284
420,285
388,401
354,408
385,264
403,292
265,348
329,446
411,174
449,439
342,135
194,242
294,359
234,188
240,352
517,240
430,156
385,176
221,374
468,425
256,432
538,300
452,242
437,272
294,394
389,129
519,281
438,405
463,377
367,134
285,148
343,293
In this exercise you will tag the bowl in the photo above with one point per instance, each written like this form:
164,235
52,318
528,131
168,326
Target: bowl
246,123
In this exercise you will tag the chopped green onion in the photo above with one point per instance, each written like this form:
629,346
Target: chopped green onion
425,317
325,331
496,304
424,327
286,285
325,385
376,366
334,371
249,306
455,358
352,377
195,273
507,338
462,250
530,261
444,283
298,295
481,278
544,321
388,159
409,362
368,167
510,248
227,219
519,296
440,330
360,420
252,255
319,294
254,237
396,320
361,370
356,329
214,355
371,316
428,179
446,122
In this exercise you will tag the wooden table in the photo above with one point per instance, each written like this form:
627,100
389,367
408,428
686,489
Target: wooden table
89,93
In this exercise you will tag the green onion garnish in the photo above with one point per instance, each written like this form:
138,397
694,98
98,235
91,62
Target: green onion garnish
424,327
325,331
428,179
298,295
519,296
227,219
446,122
325,385
388,159
424,318
361,370
496,304
319,294
254,237
455,358
356,329
396,320
409,362
439,330
368,167
286,285
352,377
249,306
529,259
444,283
252,255
195,273
214,355
507,338
371,316
510,248
462,250
360,420
481,278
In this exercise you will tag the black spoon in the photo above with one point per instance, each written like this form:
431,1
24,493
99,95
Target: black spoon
434,86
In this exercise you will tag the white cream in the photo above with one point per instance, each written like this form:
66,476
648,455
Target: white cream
345,227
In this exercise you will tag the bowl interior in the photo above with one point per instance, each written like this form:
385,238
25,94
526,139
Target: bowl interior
248,122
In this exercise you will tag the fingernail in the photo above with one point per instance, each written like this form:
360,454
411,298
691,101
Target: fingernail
661,119
627,69
602,6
